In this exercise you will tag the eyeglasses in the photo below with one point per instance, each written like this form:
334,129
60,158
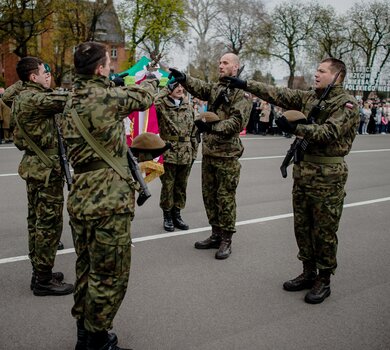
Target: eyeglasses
47,68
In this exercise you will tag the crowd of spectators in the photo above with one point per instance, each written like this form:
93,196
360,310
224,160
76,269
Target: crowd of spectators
374,117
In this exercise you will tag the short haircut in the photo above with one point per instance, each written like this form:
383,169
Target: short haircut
27,66
88,56
337,66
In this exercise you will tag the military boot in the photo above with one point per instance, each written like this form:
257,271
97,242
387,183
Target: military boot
177,220
225,248
82,336
102,341
305,280
168,223
321,288
60,246
59,276
46,285
213,241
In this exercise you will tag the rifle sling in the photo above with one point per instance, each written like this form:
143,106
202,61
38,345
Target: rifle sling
41,154
115,163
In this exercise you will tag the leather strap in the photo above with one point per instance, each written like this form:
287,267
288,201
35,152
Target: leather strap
115,163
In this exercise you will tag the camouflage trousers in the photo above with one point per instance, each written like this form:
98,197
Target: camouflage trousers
44,221
174,185
318,205
220,177
103,248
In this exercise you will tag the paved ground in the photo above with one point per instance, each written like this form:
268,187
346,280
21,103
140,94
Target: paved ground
184,299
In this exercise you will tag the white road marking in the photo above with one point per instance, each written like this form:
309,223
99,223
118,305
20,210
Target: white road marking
201,229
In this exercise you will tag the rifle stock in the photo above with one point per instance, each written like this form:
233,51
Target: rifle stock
144,193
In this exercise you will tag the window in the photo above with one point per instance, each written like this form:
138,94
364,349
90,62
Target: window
114,52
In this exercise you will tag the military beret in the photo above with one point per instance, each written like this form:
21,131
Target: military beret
208,117
147,141
148,146
294,116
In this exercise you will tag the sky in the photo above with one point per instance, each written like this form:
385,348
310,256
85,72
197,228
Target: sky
278,70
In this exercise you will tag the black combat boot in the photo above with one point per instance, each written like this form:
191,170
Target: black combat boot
60,246
321,288
177,220
168,223
82,336
213,241
225,248
102,341
46,285
59,276
305,280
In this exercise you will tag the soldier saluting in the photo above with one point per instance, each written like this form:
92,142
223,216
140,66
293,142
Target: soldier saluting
33,111
102,197
221,149
320,177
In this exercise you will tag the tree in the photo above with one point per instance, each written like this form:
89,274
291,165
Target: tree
369,33
151,24
285,36
76,21
200,16
237,23
330,37
22,21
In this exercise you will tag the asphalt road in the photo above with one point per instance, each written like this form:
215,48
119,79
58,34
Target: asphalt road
180,298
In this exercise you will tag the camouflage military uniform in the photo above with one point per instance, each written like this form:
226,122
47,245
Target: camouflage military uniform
11,92
221,150
35,107
101,203
319,180
176,125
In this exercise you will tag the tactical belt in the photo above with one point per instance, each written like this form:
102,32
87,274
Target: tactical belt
322,160
178,138
96,165
48,152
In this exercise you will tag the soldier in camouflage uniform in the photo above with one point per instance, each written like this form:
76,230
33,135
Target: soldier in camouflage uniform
176,124
221,150
101,202
319,179
34,107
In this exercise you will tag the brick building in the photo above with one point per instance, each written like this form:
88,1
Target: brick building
108,31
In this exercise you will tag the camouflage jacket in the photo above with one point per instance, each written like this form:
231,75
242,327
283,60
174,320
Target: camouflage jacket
11,92
35,108
101,107
176,125
224,140
334,128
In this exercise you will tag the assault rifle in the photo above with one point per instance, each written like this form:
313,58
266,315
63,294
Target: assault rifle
63,159
223,95
144,193
298,147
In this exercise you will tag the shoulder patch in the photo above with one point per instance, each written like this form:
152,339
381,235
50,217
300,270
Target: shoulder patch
349,105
